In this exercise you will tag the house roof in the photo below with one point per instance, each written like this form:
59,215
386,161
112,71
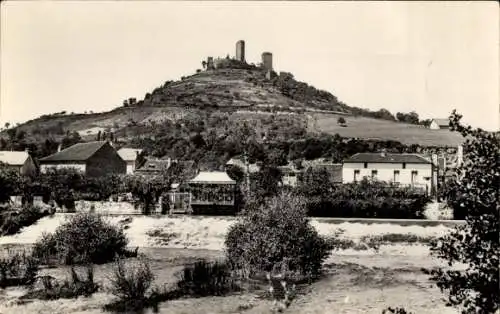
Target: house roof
155,165
14,158
129,154
442,122
387,158
77,152
237,161
219,177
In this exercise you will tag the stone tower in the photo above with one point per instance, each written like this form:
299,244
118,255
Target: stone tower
240,50
210,63
267,61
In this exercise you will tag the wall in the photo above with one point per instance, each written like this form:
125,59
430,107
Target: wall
130,167
106,207
105,161
385,172
81,167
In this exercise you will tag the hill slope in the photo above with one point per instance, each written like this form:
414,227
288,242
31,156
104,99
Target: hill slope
231,90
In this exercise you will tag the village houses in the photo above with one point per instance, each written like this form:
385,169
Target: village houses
133,157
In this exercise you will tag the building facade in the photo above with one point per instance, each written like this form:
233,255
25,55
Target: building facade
267,61
93,159
212,192
21,162
399,169
133,157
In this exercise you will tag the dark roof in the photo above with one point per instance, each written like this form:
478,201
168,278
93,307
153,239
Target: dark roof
387,158
77,152
155,165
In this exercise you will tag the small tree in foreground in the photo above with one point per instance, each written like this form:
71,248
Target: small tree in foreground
476,244
276,234
84,238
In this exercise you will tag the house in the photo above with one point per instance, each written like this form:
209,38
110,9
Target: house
290,175
212,192
239,162
154,166
94,159
439,124
21,162
133,157
401,169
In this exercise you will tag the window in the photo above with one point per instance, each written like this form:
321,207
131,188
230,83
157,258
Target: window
356,175
404,165
374,174
414,174
366,165
396,176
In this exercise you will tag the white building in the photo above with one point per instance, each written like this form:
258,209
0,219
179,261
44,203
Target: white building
439,124
402,169
19,161
132,157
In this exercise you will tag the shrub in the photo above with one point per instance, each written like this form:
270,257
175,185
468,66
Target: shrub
206,279
476,243
395,310
72,287
15,221
18,270
277,234
84,238
131,283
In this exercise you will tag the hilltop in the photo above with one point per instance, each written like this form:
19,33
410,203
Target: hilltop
215,102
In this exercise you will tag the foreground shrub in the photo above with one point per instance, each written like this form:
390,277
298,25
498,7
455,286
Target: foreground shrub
473,191
18,270
85,238
14,221
132,282
206,279
277,234
72,287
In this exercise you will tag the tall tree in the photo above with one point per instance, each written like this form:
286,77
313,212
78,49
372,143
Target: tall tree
475,244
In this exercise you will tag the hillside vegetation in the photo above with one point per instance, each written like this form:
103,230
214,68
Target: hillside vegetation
214,104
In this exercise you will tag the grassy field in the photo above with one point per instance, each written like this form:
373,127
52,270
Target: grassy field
368,128
357,279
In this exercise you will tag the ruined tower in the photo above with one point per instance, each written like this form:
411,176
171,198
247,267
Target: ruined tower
267,61
240,50
210,63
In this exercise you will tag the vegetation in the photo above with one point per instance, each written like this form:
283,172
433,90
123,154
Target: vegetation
84,238
131,283
362,200
70,288
475,192
205,278
12,221
9,181
274,236
18,270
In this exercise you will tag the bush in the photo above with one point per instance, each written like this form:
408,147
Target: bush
395,310
206,279
277,234
73,287
15,221
18,270
84,238
131,283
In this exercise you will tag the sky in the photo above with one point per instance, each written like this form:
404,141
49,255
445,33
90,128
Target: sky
76,56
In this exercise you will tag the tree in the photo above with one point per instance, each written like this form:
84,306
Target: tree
476,244
7,125
125,103
9,181
204,64
341,121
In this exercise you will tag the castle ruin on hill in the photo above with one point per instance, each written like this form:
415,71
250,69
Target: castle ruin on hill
239,60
